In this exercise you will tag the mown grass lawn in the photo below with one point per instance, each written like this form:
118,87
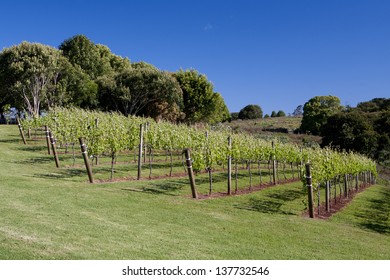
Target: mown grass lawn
50,213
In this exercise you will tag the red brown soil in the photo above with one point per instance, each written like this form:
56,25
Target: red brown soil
133,178
247,190
335,206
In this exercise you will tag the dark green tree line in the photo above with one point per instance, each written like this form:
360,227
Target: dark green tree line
364,129
36,77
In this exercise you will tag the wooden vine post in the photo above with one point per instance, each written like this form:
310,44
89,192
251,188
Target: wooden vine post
273,164
21,131
327,196
141,143
97,156
309,191
47,140
85,157
356,182
346,185
229,166
53,147
190,173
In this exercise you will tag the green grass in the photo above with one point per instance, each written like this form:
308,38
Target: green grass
50,213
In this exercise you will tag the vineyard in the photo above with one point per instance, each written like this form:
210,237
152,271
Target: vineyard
134,148
55,213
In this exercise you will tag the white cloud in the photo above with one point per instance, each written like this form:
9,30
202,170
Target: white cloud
208,27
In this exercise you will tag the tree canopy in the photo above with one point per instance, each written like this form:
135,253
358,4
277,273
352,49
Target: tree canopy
364,129
201,103
88,75
250,112
29,74
317,111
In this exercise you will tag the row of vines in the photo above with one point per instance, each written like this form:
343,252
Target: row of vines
212,148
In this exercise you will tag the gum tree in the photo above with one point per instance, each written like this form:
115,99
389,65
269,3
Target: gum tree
316,112
29,74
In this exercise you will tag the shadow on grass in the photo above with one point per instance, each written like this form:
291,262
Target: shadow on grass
38,160
32,148
171,188
8,141
376,217
287,195
62,174
272,203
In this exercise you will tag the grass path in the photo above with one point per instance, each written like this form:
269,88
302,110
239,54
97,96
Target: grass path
49,213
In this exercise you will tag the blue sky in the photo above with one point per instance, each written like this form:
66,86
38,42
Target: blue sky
274,53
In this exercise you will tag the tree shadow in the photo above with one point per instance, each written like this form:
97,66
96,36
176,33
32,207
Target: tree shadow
32,148
165,188
8,141
272,203
38,160
376,217
62,174
287,195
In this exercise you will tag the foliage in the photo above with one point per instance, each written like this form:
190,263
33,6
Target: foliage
365,129
298,112
234,116
83,52
113,133
50,213
148,91
350,131
250,112
29,74
219,110
201,103
375,105
316,112
88,75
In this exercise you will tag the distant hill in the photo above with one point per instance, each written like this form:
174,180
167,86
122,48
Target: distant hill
284,128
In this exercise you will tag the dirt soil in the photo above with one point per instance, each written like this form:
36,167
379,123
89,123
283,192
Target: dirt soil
247,190
335,206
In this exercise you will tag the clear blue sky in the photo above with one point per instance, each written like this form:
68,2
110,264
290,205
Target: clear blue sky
274,53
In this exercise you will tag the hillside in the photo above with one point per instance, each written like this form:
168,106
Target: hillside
54,213
284,128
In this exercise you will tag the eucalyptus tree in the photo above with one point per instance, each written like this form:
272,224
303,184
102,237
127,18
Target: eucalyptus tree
145,90
219,110
316,112
83,52
30,74
198,95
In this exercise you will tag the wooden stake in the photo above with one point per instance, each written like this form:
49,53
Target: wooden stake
53,147
309,190
47,140
327,196
273,165
140,148
21,131
85,157
190,173
345,185
229,166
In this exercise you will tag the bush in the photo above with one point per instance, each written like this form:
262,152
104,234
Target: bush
250,112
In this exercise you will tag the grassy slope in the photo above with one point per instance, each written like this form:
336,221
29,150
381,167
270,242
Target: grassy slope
268,127
49,213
